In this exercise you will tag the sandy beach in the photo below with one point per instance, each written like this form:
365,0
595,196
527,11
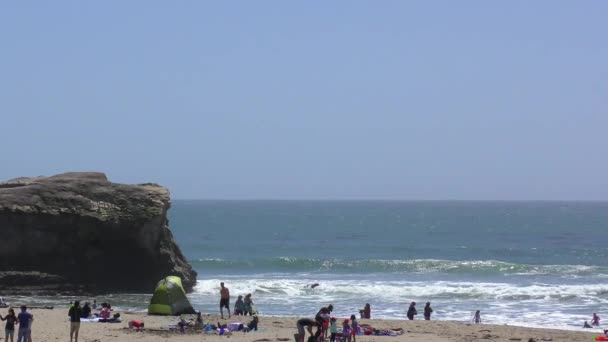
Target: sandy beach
52,325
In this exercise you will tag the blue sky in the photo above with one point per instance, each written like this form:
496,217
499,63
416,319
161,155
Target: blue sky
317,99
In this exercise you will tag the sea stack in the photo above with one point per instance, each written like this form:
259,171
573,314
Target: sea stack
79,232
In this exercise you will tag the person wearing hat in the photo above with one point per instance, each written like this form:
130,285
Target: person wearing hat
346,331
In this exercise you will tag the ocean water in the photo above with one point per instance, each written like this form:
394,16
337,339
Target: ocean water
520,263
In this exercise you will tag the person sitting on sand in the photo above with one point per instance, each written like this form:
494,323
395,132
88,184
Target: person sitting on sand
586,325
239,306
86,311
366,312
411,311
477,317
595,321
304,323
427,311
253,324
105,312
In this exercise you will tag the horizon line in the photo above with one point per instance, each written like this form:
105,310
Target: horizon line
383,200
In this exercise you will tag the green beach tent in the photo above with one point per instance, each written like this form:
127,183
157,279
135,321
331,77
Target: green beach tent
170,298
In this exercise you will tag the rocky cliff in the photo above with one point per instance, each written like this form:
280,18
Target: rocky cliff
81,232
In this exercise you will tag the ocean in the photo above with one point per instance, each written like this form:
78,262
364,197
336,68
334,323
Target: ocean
521,263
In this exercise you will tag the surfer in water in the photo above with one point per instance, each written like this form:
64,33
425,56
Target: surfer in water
312,286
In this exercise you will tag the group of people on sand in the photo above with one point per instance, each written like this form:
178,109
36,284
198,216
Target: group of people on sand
346,330
76,313
411,311
24,320
242,306
595,321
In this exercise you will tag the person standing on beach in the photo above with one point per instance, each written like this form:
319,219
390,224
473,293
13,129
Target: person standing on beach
427,311
75,313
224,300
411,312
9,329
24,318
477,317
248,305
239,306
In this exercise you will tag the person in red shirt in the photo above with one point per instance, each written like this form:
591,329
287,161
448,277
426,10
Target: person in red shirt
138,325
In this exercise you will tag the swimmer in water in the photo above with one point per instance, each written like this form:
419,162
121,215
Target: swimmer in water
314,285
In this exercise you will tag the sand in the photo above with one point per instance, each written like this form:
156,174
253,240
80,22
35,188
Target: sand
52,325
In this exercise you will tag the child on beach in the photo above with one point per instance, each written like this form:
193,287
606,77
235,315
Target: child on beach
477,317
333,329
354,325
325,326
346,332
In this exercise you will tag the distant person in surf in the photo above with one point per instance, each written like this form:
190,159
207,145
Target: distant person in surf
595,321
411,312
477,317
586,325
312,286
224,300
427,311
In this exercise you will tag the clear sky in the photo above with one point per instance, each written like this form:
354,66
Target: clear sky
311,99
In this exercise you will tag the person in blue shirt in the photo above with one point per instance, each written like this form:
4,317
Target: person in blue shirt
25,318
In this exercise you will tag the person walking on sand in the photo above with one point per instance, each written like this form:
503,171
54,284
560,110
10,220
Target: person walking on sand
11,320
24,318
427,311
75,312
239,306
477,317
248,305
595,320
224,300
411,312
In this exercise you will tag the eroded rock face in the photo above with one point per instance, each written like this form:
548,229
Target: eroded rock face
91,232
